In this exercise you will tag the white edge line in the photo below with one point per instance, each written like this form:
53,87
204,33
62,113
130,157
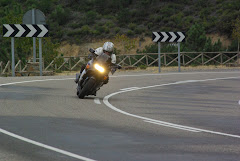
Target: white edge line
106,102
168,125
45,146
31,81
131,88
97,101
159,74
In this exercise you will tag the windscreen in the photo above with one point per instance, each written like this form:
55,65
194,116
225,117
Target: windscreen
103,58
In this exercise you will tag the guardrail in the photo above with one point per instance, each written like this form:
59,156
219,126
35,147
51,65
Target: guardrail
134,60
187,59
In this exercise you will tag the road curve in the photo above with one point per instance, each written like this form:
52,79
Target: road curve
172,116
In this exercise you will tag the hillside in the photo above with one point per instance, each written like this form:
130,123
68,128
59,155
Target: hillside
89,21
78,20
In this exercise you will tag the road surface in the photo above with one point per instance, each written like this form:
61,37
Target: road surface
136,116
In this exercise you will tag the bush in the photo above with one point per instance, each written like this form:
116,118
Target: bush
132,26
109,24
60,15
123,16
143,67
233,46
58,71
59,61
130,33
196,38
90,17
45,6
138,30
117,30
85,30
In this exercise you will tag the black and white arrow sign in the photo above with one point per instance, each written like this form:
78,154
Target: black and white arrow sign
168,37
25,30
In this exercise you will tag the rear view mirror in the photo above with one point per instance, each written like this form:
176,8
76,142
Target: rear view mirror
91,50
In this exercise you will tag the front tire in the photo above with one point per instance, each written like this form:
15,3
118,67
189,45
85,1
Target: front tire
83,92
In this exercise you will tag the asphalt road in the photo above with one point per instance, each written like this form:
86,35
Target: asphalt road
136,116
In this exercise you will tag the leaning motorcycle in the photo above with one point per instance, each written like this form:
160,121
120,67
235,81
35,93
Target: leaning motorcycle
96,76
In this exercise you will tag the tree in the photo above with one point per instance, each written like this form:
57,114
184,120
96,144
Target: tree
61,15
90,17
196,38
236,31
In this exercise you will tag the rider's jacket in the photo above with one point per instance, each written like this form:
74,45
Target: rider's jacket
99,51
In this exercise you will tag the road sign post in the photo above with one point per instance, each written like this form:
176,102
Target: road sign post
35,16
13,57
24,30
34,38
159,57
40,56
168,37
179,58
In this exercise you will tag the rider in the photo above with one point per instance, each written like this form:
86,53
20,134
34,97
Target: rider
107,49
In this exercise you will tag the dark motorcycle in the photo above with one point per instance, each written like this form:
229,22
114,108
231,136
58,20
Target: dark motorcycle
96,76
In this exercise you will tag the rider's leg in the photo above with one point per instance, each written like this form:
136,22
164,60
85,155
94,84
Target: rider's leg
81,76
78,75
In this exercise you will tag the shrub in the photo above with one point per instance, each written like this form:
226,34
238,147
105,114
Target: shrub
90,17
123,16
61,15
109,24
132,26
143,66
138,30
117,30
58,71
59,61
45,6
196,38
130,33
100,29
85,30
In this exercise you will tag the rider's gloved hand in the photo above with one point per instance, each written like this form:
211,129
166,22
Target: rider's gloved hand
119,66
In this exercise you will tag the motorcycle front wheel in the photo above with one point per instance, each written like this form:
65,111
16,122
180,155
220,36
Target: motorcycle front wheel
83,92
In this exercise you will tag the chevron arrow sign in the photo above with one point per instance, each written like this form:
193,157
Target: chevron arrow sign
25,30
168,37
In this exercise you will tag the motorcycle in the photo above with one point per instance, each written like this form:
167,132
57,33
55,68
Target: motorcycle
96,76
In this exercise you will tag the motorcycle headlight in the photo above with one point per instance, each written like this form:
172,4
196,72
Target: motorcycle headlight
99,68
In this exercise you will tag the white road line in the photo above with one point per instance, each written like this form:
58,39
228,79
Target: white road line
97,101
106,102
239,102
124,89
45,146
161,74
31,81
169,125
